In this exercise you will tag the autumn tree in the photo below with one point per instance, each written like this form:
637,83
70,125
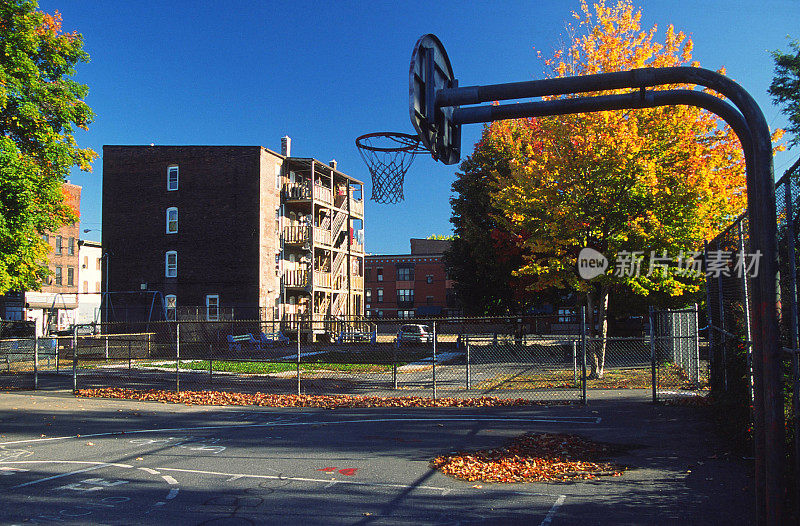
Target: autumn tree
629,184
41,106
785,87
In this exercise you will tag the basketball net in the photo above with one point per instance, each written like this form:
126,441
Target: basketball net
388,155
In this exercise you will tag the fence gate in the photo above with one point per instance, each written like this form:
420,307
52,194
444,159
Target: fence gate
680,366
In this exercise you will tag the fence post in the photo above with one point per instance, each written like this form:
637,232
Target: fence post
434,360
210,363
35,361
712,347
299,326
148,345
469,383
574,361
746,292
177,357
696,356
129,355
583,354
394,362
653,353
74,358
106,346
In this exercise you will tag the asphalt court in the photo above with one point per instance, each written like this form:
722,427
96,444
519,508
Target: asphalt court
120,462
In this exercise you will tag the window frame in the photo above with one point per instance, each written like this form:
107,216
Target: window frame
58,276
208,307
379,295
169,210
173,309
71,246
59,245
170,169
167,264
70,276
405,274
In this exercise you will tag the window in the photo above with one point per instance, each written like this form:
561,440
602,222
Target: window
429,278
58,244
97,286
172,178
59,276
429,300
170,306
212,307
70,276
368,295
46,237
405,295
380,273
85,286
380,295
380,314
405,314
85,262
368,273
565,315
172,220
405,274
99,264
277,177
71,247
171,264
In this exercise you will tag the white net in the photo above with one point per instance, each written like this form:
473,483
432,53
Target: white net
388,157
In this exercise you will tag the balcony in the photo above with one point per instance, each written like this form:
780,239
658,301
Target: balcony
357,207
322,237
356,247
297,278
323,194
322,279
296,235
297,191
357,282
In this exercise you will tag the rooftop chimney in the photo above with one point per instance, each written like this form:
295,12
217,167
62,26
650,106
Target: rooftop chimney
286,146
332,163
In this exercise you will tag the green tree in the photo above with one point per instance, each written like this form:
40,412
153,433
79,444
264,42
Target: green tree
41,106
483,255
785,87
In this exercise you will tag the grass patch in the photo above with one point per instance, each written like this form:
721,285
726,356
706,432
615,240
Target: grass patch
270,367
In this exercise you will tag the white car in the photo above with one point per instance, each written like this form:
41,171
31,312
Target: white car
415,333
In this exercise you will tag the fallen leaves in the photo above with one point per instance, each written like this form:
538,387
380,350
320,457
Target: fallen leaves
532,457
318,401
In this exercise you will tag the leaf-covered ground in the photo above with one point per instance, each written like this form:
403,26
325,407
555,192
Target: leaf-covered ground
275,400
622,378
533,457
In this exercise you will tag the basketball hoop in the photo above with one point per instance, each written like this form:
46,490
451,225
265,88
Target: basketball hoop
388,156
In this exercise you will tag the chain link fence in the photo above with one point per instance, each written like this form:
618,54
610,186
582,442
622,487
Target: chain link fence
730,266
538,358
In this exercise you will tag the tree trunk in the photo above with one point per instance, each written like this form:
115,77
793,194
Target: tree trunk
597,345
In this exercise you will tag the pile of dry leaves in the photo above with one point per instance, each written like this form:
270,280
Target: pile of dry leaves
533,458
275,400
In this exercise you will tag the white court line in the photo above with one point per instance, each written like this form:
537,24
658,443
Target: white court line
31,483
350,482
552,513
555,420
169,479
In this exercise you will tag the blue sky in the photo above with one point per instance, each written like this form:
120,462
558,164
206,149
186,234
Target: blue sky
248,73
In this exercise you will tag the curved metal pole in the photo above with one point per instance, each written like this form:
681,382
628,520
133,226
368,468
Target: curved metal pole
768,399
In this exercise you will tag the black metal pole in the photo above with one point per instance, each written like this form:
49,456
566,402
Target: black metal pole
757,145
653,373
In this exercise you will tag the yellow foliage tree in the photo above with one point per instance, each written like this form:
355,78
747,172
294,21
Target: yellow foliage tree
626,183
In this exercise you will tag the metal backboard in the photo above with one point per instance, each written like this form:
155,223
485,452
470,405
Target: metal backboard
429,72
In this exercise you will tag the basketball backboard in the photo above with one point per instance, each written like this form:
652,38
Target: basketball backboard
429,72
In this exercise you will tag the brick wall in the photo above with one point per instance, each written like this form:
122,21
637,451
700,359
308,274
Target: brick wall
219,239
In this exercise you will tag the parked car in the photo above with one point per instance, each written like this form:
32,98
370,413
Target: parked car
415,333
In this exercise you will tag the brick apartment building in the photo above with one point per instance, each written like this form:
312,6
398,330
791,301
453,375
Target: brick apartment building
231,232
53,307
410,285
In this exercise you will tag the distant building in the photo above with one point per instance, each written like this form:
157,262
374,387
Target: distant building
410,285
90,277
231,232
53,307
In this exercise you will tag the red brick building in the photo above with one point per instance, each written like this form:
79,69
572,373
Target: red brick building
410,285
53,307
225,232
